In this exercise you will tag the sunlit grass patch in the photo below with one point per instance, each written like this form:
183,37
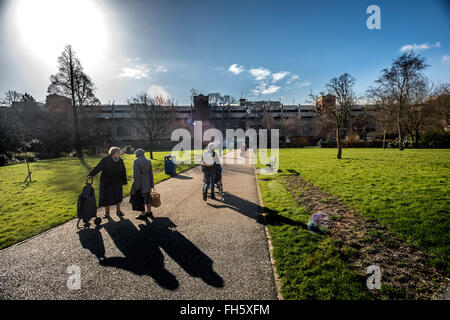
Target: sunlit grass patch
27,209
405,191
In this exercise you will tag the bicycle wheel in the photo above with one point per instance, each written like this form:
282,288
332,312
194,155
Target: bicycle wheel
220,193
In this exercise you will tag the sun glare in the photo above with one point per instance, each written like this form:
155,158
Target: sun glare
43,27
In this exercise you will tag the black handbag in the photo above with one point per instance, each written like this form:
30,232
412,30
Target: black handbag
86,204
137,201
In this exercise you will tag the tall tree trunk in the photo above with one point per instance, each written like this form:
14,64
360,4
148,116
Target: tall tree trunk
74,109
338,141
400,140
150,145
416,138
384,138
77,133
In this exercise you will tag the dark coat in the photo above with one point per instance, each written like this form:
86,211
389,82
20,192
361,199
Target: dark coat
142,175
137,201
113,172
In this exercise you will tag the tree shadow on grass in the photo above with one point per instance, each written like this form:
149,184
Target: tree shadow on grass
84,163
141,248
255,211
24,185
274,218
238,204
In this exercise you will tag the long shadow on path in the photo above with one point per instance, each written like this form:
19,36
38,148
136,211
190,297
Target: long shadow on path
92,240
253,210
142,246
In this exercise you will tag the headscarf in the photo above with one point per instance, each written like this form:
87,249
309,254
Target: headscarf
139,153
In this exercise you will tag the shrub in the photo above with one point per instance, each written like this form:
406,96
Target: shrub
363,144
30,156
6,158
326,144
435,139
406,144
47,155
3,159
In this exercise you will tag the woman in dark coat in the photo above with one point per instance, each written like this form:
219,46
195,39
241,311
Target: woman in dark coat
113,177
142,182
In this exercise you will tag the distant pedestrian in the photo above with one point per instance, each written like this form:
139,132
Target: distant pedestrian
112,179
142,182
243,147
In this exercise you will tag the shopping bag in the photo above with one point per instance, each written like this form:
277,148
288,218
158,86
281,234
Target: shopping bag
156,198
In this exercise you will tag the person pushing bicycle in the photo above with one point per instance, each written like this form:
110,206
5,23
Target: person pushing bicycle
210,166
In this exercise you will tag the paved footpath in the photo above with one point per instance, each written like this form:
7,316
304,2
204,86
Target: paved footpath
191,250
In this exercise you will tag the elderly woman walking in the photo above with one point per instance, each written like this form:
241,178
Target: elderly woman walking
142,181
112,178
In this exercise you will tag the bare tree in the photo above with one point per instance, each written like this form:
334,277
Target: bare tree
337,112
218,99
385,117
214,98
441,100
194,92
29,115
399,84
364,122
11,96
84,89
418,111
160,100
227,99
72,82
154,117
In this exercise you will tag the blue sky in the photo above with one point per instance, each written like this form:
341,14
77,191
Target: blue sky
257,49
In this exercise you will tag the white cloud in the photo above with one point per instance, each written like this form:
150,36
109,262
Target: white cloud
260,73
161,69
134,72
155,90
416,47
235,68
445,59
264,89
419,47
264,76
292,78
279,75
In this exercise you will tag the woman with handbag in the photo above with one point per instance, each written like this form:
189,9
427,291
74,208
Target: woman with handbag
112,178
142,184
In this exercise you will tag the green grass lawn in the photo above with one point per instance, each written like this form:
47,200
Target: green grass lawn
405,191
27,209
